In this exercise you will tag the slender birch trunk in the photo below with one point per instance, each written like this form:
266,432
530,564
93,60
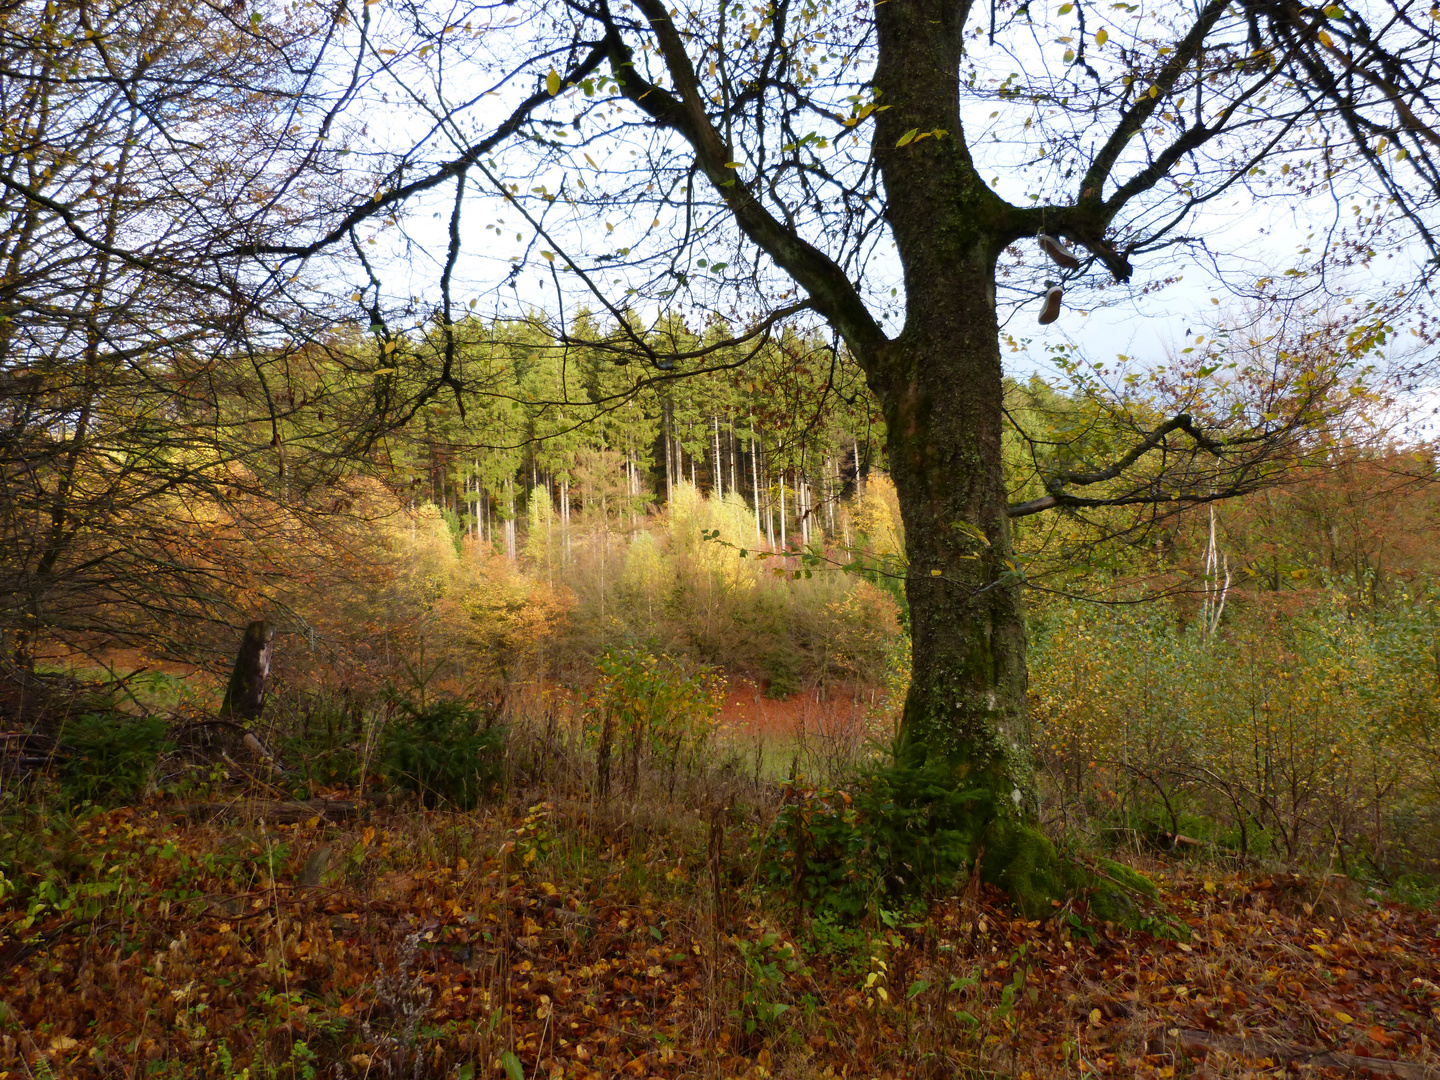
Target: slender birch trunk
782,508
755,476
719,480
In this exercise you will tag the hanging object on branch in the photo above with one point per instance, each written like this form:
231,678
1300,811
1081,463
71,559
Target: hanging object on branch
1051,311
1057,250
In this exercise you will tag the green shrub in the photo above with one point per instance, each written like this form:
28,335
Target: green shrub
905,830
646,704
782,674
113,756
443,753
819,850
1302,730
767,963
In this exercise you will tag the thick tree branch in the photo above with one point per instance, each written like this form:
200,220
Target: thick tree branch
1058,481
1183,422
1136,116
834,296
1142,498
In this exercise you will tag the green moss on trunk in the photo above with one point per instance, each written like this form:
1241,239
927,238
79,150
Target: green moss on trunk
1020,860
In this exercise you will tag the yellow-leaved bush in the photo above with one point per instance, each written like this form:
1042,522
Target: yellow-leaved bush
1306,734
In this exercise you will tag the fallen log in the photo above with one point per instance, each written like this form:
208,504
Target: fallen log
1196,1043
1172,840
281,812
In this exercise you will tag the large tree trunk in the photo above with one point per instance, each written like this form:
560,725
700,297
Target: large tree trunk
968,678
940,384
966,713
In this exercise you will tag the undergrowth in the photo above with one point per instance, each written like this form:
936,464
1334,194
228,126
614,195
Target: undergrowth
473,901
566,937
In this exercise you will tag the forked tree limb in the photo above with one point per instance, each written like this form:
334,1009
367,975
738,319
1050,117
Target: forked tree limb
1057,482
831,291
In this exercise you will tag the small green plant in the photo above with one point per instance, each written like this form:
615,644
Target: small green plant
533,837
1011,991
224,1064
81,901
838,941
767,962
960,985
302,1061
113,756
820,850
1417,890
444,753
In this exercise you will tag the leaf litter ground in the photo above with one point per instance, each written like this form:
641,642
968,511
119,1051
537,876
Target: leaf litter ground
549,943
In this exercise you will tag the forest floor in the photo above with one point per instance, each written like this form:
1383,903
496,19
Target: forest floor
562,940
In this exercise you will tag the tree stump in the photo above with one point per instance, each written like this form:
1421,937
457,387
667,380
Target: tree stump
245,696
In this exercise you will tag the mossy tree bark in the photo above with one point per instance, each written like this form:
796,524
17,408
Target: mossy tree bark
940,381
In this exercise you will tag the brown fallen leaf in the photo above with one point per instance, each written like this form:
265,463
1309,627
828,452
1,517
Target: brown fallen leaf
1199,1043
